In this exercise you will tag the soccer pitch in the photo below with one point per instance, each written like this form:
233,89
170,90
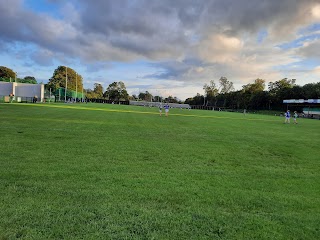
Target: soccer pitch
99,171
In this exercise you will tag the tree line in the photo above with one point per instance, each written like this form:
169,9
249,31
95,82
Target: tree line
65,77
218,95
253,95
8,75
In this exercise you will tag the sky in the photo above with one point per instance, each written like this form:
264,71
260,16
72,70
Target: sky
166,47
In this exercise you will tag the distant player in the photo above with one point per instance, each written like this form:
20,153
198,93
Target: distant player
295,116
160,109
287,117
166,109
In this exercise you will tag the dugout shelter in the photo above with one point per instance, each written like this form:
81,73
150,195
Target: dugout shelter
310,107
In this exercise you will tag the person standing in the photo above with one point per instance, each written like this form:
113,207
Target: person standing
287,117
166,109
295,116
11,96
160,109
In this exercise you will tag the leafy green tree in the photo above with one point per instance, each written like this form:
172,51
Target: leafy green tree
296,92
311,90
116,91
257,86
277,86
259,100
157,98
279,91
133,97
172,99
7,73
28,79
89,93
225,87
235,99
146,96
211,92
196,100
141,96
252,92
59,77
98,90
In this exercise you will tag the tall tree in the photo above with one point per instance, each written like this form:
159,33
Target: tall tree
211,92
277,86
225,88
311,90
98,90
279,90
7,73
225,85
157,98
146,96
63,74
257,86
252,93
171,99
196,100
89,93
28,79
116,91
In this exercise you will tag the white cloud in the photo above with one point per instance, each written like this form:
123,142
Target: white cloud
316,71
219,48
310,49
316,11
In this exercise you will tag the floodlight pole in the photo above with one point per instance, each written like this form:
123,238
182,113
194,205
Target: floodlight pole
65,90
76,87
82,94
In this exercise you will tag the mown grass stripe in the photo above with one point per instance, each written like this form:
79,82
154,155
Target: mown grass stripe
151,113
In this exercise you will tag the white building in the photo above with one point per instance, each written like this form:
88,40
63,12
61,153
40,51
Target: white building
22,91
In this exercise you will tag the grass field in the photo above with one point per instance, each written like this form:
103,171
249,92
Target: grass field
98,171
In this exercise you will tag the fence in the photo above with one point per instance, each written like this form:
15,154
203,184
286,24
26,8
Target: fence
62,95
156,104
8,99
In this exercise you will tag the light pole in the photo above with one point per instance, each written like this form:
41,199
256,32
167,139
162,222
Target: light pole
65,90
15,77
82,94
76,87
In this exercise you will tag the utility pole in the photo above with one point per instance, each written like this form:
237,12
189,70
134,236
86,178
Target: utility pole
65,90
76,87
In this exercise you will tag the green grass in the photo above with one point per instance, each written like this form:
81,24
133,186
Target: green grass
98,171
